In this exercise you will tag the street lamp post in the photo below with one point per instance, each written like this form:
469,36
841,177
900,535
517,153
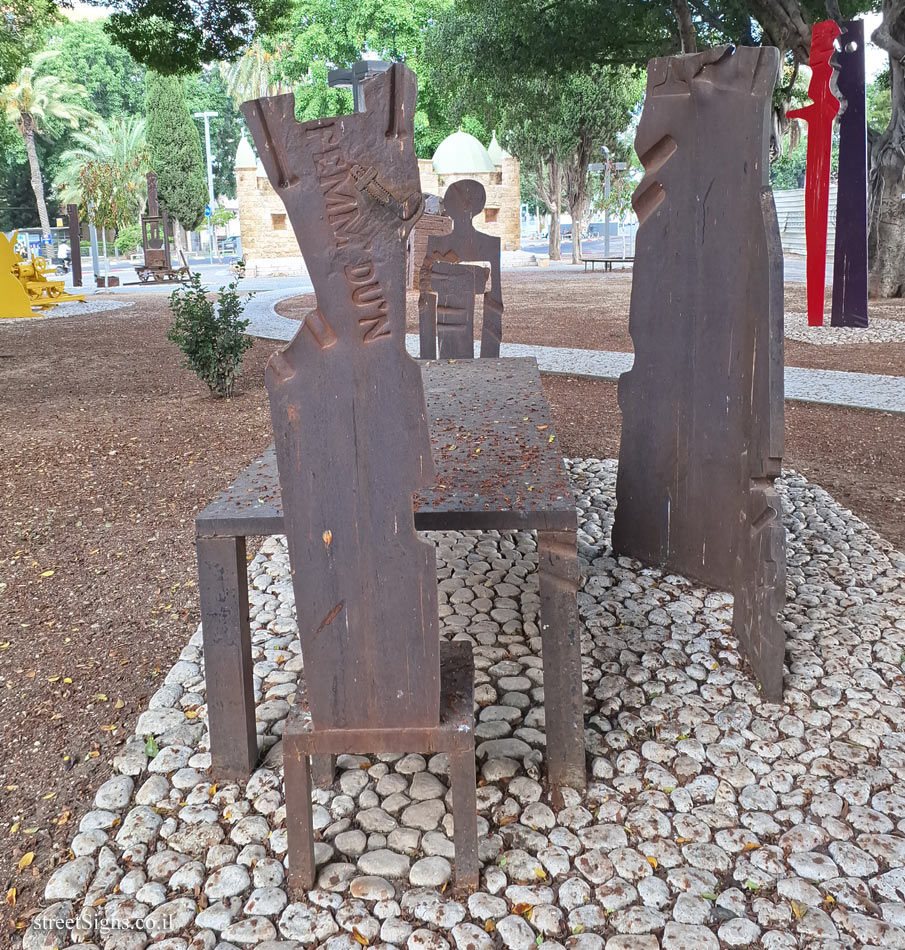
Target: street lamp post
207,116
606,197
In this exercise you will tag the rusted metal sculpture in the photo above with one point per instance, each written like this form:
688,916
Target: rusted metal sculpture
702,406
355,77
446,302
819,115
850,259
75,244
155,242
352,446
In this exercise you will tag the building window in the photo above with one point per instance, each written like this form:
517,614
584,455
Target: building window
278,220
491,215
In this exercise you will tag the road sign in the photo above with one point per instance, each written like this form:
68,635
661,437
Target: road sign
620,166
207,211
596,167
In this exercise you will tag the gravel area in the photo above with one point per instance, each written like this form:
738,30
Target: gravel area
879,331
713,819
78,309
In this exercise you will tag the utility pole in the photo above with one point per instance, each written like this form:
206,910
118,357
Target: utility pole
207,116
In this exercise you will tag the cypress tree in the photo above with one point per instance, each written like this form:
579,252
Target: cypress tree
177,154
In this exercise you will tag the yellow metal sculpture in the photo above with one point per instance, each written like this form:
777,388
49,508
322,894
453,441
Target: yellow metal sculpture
24,285
14,301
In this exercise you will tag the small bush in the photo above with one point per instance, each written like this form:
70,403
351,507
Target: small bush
128,239
210,334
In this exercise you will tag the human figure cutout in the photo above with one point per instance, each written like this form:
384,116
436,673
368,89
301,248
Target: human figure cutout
446,303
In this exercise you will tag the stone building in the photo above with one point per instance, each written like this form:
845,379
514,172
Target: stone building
461,155
268,242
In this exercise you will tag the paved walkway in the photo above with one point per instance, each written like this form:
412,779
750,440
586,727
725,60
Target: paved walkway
858,390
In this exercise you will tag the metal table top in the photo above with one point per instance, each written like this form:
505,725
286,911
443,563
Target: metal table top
497,457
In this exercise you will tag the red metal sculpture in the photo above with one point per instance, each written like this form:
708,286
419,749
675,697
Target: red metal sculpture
819,115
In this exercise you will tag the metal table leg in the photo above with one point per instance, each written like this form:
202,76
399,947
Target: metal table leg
223,592
558,574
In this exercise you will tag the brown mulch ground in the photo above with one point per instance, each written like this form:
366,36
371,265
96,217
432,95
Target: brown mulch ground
590,311
110,449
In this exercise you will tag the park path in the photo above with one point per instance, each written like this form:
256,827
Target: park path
831,387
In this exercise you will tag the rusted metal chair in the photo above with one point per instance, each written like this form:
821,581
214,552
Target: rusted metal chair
448,285
352,446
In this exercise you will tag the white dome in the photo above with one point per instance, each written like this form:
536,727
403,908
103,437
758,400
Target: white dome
462,154
496,151
245,156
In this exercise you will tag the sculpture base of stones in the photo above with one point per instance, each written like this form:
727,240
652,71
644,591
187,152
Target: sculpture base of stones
702,406
352,445
448,285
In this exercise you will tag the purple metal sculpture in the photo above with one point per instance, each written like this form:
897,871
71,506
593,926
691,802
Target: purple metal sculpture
850,265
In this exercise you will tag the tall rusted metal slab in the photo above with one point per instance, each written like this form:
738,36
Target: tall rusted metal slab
75,244
850,259
702,406
347,405
445,309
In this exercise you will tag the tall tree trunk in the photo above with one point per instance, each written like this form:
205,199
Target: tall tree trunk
37,183
554,172
686,26
784,24
886,243
577,190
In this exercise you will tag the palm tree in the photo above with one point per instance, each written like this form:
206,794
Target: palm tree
117,142
30,100
254,74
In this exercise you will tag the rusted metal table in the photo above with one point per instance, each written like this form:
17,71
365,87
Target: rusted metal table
499,466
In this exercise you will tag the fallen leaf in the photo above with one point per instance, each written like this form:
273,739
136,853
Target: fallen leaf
751,846
359,937
11,897
522,908
25,860
489,926
799,909
47,574
652,861
100,697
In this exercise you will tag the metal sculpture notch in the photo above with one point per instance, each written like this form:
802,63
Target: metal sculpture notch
702,406
448,286
819,115
850,259
348,411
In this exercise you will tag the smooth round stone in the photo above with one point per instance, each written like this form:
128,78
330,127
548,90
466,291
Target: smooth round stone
115,793
433,871
227,882
516,933
352,843
372,888
266,902
384,863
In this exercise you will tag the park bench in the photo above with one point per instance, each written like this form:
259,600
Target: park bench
607,262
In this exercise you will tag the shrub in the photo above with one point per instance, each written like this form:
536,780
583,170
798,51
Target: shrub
210,334
128,239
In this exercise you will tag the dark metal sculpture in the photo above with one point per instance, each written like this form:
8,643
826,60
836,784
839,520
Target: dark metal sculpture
702,406
155,241
850,259
75,244
352,447
446,302
498,467
819,115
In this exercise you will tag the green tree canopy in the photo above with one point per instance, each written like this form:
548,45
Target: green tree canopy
177,37
113,80
176,153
